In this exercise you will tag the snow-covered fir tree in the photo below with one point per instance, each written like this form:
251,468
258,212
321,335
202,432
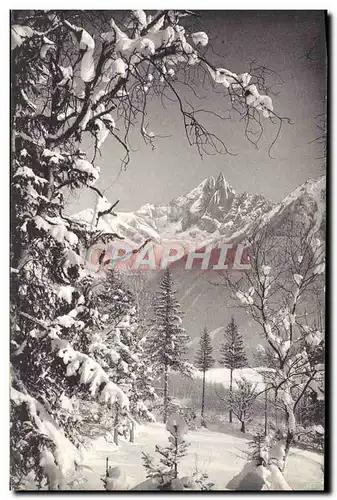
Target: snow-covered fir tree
139,284
202,481
114,296
204,361
166,341
165,474
259,447
120,349
133,370
233,354
115,479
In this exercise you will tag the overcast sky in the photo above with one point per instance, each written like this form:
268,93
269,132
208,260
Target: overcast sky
276,39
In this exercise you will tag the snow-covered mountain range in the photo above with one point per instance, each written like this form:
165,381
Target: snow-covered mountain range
213,211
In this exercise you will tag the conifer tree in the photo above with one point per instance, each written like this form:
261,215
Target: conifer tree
121,352
233,354
165,474
134,370
166,343
204,362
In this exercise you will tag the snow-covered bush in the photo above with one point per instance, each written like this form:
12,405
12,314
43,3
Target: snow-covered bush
165,473
241,401
311,437
190,416
263,471
202,480
115,479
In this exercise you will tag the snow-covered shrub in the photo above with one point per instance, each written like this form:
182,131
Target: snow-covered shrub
190,416
202,480
261,444
233,355
165,473
311,437
241,401
115,479
263,471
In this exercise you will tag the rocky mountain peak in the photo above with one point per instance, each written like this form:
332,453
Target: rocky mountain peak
221,183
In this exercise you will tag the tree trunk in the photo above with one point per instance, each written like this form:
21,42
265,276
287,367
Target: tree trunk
243,426
175,452
95,213
116,426
165,392
132,432
289,440
203,399
276,412
230,395
265,413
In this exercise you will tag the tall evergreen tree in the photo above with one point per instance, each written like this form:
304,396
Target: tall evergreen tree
204,361
120,351
233,354
166,343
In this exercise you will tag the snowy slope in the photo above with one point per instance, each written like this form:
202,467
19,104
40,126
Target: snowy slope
308,200
222,456
305,204
222,376
206,303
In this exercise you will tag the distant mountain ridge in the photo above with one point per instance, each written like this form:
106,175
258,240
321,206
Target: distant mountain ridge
208,213
211,210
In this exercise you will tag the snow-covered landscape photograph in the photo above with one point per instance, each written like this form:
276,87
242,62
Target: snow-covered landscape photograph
168,250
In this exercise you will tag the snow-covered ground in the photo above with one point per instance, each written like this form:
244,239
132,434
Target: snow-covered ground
220,455
222,376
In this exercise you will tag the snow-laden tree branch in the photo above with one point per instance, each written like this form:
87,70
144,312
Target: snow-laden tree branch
285,277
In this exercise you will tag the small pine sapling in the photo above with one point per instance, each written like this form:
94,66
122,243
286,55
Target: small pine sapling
166,471
202,480
114,478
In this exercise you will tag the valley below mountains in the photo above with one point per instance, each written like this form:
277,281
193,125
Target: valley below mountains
210,213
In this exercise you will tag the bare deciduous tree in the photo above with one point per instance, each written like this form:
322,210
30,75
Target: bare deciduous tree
241,401
285,279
